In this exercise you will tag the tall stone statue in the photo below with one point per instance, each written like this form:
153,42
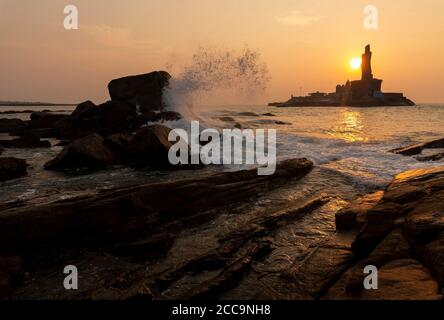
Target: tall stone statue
366,66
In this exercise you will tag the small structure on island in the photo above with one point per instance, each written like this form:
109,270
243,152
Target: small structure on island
360,93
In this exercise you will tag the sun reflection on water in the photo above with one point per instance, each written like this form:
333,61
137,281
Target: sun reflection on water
349,127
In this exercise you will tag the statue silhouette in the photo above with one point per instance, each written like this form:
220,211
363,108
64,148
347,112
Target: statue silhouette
366,66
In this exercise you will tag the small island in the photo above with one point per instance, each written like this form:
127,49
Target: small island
359,93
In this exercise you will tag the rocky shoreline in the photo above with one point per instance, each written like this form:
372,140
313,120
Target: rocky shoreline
209,237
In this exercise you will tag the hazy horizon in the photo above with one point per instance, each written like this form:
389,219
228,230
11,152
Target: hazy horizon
306,45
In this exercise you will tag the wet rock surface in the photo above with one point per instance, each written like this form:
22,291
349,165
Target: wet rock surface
132,244
88,152
419,148
11,168
137,226
400,232
26,141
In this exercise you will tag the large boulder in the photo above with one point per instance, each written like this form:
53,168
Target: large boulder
85,109
150,145
88,152
11,125
11,168
143,91
26,141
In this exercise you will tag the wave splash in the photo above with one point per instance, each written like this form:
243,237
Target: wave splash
241,73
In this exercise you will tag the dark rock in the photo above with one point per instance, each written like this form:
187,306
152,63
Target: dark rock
269,114
418,148
116,117
161,116
150,145
106,119
43,120
406,223
402,279
11,125
118,142
11,168
248,114
433,256
41,133
433,157
84,110
354,215
227,119
10,269
142,210
26,141
282,122
144,91
88,152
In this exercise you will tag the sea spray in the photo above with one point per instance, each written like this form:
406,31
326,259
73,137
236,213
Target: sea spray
211,70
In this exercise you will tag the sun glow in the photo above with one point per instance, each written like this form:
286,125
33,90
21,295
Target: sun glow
355,63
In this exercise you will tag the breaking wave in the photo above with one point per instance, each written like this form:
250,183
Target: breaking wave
240,73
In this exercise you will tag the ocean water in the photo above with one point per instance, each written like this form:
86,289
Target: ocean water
349,142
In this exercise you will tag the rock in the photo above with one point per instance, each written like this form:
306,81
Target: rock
433,157
10,269
418,148
269,114
310,278
282,122
11,125
11,168
150,145
404,279
248,114
144,91
150,209
116,117
84,110
354,215
43,120
40,133
106,119
227,119
26,141
118,142
88,152
162,116
433,255
406,223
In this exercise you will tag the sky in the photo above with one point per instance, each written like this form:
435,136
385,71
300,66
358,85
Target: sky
306,44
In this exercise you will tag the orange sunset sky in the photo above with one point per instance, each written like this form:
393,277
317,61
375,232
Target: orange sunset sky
305,43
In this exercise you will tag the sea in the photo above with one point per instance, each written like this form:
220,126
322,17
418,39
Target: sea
352,143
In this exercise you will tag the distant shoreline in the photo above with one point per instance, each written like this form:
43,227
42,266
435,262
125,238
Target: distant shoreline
34,104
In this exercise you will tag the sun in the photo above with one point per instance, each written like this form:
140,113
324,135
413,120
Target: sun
355,63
